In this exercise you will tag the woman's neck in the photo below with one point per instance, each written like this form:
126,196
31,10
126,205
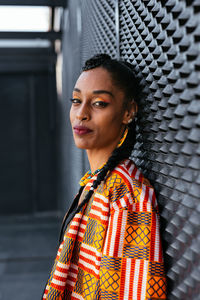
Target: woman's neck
98,157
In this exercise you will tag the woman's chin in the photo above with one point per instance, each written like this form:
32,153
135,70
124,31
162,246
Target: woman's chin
82,145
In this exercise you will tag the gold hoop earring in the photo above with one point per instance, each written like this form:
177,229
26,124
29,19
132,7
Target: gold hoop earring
123,137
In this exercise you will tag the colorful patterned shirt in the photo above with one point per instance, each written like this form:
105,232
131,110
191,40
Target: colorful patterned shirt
112,248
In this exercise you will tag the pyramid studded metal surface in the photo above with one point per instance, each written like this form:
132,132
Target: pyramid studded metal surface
98,32
161,39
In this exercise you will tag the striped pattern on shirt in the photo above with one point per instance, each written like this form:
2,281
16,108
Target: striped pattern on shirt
112,247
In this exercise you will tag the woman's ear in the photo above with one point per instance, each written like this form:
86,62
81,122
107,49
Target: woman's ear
130,112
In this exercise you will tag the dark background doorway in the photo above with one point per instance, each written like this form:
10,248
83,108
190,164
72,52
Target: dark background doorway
28,132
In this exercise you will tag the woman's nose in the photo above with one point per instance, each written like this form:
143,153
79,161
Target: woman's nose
82,114
81,118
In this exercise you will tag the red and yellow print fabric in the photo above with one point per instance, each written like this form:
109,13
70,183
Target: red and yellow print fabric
112,248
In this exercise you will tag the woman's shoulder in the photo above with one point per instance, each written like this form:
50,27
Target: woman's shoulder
125,179
127,173
126,186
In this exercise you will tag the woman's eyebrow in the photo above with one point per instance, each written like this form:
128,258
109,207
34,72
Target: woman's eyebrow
96,92
77,90
103,92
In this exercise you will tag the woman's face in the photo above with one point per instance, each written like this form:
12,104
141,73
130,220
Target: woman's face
97,113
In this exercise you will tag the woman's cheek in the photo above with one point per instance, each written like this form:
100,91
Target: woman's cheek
71,116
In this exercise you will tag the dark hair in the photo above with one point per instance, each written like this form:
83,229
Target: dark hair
123,76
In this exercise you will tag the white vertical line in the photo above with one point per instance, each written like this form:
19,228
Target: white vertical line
113,235
142,196
122,233
149,201
127,278
131,169
144,280
136,278
137,174
107,237
157,240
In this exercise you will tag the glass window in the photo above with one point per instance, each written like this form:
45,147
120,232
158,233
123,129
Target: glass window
37,43
24,18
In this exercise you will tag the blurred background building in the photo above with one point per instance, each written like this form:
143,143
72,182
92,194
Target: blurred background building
40,166
30,45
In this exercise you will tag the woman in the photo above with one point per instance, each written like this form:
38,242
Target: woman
110,242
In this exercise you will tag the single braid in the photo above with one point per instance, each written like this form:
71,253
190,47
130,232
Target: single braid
69,212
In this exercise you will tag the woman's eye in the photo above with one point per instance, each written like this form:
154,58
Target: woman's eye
100,104
75,100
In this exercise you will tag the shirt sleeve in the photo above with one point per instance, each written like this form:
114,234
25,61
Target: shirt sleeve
132,261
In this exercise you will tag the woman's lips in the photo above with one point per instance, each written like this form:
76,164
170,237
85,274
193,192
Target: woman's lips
81,130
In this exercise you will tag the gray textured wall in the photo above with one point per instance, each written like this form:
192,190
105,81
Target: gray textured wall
161,39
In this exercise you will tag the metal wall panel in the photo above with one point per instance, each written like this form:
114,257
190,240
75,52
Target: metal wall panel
98,28
161,39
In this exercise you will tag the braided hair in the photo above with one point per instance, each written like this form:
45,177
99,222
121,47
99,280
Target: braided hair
123,76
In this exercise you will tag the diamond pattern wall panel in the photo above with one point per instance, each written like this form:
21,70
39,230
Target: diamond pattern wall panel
98,34
161,39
